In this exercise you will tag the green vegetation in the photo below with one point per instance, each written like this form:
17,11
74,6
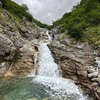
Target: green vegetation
17,10
15,58
82,21
42,25
20,12
92,35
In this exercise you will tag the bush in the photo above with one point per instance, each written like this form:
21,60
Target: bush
17,10
83,16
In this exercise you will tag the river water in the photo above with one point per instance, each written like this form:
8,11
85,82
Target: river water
48,83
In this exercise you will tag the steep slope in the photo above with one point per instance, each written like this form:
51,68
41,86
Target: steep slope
20,11
82,23
19,37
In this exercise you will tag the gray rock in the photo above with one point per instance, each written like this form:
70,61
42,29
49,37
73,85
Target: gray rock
1,4
29,34
3,67
94,84
94,74
7,48
66,42
95,79
91,70
98,64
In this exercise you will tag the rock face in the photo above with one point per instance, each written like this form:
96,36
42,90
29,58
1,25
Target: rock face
7,48
25,63
18,42
79,63
73,60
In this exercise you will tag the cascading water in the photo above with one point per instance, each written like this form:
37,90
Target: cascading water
48,76
46,85
46,63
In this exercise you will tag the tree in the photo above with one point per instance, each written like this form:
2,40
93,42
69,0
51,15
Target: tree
25,6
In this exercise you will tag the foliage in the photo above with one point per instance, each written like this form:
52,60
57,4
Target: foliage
20,11
17,10
92,34
25,6
82,17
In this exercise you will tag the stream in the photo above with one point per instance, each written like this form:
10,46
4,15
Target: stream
48,84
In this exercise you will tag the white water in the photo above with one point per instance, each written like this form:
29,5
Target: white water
48,75
46,63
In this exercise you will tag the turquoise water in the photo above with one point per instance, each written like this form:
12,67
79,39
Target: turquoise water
27,89
48,83
21,89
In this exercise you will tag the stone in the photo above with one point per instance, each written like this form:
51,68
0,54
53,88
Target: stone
91,70
94,84
94,74
95,79
98,73
1,4
98,63
65,42
7,48
98,90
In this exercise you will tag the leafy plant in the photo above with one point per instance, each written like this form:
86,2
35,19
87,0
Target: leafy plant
83,16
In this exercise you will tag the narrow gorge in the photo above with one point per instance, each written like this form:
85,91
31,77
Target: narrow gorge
42,62
47,78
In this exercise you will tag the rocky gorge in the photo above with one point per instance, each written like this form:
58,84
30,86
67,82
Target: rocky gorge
19,42
79,62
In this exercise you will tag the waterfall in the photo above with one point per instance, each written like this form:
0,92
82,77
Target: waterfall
46,63
48,75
